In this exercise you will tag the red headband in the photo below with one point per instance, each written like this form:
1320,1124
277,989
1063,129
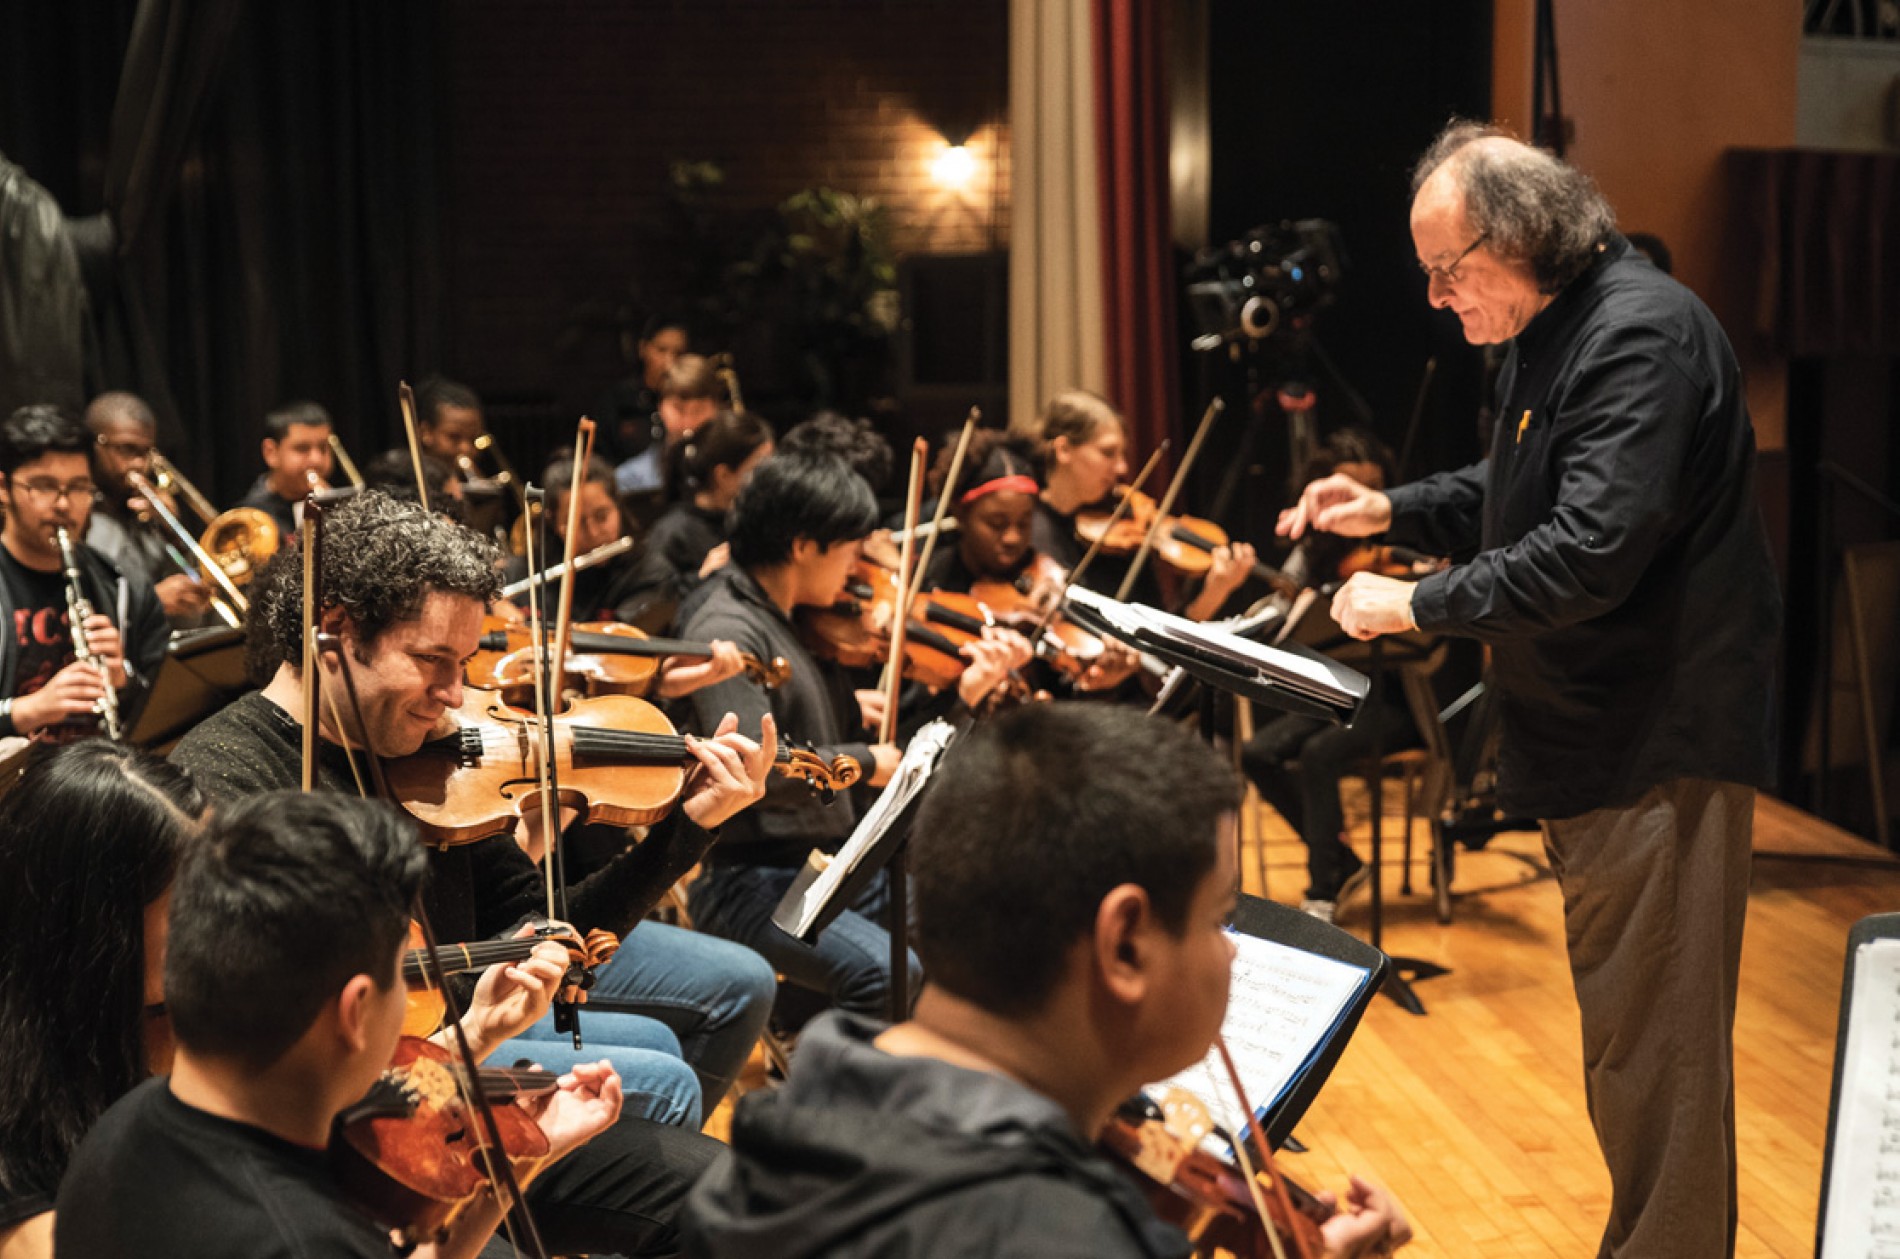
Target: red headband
1018,482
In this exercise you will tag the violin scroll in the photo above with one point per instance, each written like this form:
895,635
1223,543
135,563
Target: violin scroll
822,776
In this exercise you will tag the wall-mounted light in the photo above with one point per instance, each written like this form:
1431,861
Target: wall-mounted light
954,168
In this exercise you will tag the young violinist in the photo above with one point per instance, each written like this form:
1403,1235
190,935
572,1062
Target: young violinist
47,695
287,927
1074,868
796,529
993,505
405,592
1084,444
625,410
97,831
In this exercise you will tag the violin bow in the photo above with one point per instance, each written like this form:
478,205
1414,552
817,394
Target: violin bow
554,872
949,486
1088,556
499,1170
1166,505
906,584
407,397
543,682
312,613
1266,1160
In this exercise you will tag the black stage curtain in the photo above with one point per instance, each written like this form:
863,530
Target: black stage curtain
271,174
1820,231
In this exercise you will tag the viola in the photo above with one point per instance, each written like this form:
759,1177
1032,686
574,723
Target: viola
603,658
1185,544
426,1006
1206,1197
413,1155
619,760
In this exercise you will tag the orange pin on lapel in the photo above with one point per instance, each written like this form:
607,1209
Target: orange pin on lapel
1522,425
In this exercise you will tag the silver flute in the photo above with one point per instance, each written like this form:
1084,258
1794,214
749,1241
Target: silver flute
78,608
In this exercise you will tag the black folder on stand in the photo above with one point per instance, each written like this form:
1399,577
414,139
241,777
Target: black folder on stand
1288,679
203,670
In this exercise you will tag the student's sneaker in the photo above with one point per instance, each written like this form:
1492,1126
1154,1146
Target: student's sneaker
1322,910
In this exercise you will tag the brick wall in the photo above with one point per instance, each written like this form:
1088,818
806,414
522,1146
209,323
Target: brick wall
561,119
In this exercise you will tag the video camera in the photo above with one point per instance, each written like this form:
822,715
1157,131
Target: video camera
1265,285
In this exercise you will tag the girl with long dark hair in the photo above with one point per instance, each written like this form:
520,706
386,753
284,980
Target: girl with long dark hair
88,842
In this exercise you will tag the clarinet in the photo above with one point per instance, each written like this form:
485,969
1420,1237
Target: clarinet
78,608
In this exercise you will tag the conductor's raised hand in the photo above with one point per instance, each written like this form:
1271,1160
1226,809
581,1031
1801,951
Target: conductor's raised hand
1337,504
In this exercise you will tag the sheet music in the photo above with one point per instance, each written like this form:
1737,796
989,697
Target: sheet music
816,883
1283,1004
1311,677
1863,1206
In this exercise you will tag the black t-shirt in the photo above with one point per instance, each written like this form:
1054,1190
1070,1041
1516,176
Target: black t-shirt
157,1178
41,630
42,635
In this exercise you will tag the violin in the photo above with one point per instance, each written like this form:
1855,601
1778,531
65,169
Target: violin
1206,1197
426,1004
619,760
1185,544
603,658
1390,561
856,632
411,1152
1071,650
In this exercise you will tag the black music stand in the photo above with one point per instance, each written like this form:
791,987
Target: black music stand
885,848
1405,970
1320,632
203,670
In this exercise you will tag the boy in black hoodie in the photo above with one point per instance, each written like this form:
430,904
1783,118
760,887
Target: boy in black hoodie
1075,868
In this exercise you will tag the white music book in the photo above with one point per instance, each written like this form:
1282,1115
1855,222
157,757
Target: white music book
1283,1005
1862,1211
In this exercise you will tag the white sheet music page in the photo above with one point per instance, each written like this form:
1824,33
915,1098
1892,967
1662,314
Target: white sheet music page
1282,1005
1863,1206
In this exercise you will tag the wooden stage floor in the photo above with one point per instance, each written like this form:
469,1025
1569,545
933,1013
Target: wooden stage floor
1474,1115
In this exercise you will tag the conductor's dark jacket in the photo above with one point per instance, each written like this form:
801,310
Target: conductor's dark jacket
1614,553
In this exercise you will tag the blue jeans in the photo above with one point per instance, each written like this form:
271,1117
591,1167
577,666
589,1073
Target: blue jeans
659,1086
850,961
713,994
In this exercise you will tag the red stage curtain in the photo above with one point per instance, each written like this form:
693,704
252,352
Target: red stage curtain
1131,105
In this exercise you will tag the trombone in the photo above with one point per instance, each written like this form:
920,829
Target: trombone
344,461
228,601
166,477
